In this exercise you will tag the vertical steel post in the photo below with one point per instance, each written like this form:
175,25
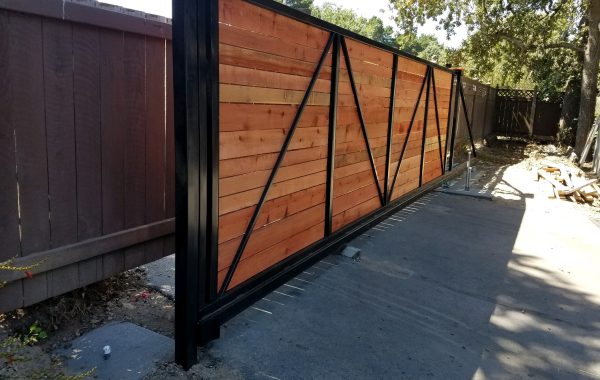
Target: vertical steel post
196,105
448,124
458,74
390,131
333,103
424,140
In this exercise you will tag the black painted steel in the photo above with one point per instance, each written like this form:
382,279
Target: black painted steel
462,98
458,75
361,118
311,20
448,124
412,121
282,153
390,130
212,139
437,120
195,80
425,116
333,104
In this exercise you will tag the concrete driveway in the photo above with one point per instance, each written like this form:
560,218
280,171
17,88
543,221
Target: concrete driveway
451,287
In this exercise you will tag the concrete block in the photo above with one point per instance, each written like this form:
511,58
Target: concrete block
134,351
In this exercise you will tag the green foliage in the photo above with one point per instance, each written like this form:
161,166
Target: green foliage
34,335
517,43
305,6
425,46
347,18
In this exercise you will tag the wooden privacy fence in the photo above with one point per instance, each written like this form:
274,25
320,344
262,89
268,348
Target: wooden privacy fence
298,158
86,145
523,113
292,136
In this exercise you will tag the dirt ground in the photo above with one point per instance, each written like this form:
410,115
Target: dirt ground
28,336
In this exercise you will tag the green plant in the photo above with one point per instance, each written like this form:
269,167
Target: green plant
34,335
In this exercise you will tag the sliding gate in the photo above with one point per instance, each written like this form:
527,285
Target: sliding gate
292,136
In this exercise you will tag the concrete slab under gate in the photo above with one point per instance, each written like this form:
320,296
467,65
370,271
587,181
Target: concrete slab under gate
451,287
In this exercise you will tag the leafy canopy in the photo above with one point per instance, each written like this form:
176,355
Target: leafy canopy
521,43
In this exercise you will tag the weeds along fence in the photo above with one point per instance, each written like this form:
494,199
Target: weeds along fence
87,162
86,145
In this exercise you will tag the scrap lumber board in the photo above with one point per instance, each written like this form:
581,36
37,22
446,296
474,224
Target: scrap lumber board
559,186
577,188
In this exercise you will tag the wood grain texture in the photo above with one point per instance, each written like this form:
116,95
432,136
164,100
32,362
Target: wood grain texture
26,52
134,68
155,141
112,79
266,62
86,93
60,139
75,132
9,217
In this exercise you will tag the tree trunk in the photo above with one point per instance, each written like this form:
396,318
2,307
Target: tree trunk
589,80
570,110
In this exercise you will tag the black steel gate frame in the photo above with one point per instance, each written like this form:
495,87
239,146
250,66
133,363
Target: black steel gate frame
200,306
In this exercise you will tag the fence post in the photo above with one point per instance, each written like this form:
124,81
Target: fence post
196,106
532,112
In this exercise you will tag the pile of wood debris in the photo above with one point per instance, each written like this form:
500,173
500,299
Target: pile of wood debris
568,183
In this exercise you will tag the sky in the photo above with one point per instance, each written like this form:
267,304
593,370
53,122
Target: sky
366,8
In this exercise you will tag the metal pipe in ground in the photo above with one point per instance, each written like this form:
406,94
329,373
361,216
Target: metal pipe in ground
468,176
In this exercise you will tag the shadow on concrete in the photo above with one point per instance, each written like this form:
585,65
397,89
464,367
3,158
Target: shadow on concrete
449,287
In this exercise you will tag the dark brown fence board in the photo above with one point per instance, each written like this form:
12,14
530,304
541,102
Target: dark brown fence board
91,248
60,146
86,93
27,115
113,142
547,115
135,117
9,218
515,113
169,246
76,137
155,141
95,14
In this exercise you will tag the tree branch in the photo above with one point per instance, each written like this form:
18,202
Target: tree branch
555,45
564,45
515,41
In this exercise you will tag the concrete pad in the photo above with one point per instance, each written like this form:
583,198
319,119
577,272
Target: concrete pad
160,275
135,350
449,287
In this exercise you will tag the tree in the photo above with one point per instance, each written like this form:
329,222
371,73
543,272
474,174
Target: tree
305,6
346,18
541,41
425,46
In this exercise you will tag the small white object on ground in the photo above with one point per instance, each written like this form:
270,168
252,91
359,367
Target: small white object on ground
106,351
